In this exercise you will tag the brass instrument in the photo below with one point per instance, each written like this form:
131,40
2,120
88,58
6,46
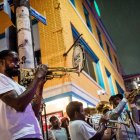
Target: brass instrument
110,123
135,92
127,123
78,62
103,106
134,96
53,72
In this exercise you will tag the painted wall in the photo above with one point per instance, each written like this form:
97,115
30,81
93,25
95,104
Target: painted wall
56,38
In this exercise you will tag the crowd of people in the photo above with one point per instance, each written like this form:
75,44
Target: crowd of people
117,119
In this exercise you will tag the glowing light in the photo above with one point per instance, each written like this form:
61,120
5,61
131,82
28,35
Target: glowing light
97,8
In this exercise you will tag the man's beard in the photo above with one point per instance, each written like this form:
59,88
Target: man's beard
11,72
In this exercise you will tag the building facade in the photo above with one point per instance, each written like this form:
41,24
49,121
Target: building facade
66,21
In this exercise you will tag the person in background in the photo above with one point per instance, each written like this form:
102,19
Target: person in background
65,124
121,114
59,132
95,119
79,129
17,119
88,115
102,107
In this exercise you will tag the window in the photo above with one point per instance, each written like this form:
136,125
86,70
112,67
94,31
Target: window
92,65
37,55
120,90
87,18
73,2
99,37
92,68
116,63
3,44
89,66
99,75
8,40
110,82
108,50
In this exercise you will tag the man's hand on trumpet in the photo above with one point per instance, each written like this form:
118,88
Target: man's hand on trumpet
41,72
104,119
129,97
103,122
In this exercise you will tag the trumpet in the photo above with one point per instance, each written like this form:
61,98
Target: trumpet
27,75
53,72
110,123
78,63
134,96
127,123
135,92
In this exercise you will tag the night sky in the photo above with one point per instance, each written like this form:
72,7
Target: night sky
122,21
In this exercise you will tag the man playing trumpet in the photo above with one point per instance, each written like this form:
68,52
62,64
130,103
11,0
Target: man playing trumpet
121,114
17,118
134,103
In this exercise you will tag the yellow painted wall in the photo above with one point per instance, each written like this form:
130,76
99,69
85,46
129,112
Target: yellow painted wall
91,40
5,22
56,38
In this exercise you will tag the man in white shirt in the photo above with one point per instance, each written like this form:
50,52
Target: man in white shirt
78,128
17,119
